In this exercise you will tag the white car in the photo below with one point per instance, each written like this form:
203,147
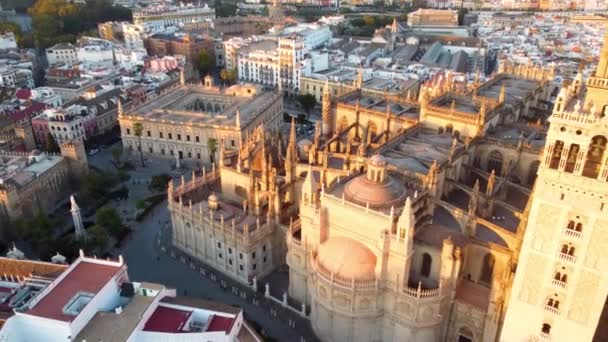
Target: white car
93,151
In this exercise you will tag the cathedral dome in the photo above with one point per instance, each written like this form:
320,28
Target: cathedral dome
362,190
377,160
347,258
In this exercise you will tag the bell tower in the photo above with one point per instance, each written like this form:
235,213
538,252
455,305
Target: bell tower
76,155
560,284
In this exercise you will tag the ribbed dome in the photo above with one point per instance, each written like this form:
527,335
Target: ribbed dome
361,190
347,258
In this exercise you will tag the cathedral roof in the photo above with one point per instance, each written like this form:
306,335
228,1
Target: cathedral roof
347,258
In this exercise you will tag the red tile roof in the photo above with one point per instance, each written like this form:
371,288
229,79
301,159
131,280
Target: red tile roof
86,276
23,94
167,320
219,323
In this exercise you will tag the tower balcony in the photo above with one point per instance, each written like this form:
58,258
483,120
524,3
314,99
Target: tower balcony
573,233
552,309
567,258
544,336
559,283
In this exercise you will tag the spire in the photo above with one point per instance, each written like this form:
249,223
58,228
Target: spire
182,77
238,118
292,133
119,109
474,199
394,26
407,220
359,83
491,181
326,110
502,95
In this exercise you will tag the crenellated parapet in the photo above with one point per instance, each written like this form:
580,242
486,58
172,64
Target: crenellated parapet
527,71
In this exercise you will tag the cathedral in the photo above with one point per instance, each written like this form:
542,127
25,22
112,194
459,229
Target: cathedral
472,212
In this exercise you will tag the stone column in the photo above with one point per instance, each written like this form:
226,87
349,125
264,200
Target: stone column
564,158
580,161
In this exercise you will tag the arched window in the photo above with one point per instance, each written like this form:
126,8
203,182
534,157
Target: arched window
558,276
425,268
556,155
571,225
571,251
564,278
546,328
579,227
572,156
465,335
595,155
487,269
550,302
565,249
495,162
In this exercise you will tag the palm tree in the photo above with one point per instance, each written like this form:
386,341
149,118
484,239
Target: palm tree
137,130
212,147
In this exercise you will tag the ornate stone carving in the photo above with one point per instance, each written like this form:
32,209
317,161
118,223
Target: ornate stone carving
598,244
341,300
322,292
364,304
584,297
545,227
531,288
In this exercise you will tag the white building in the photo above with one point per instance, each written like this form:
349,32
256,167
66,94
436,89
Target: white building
315,35
67,123
95,51
8,41
160,16
133,35
94,300
47,96
62,53
130,58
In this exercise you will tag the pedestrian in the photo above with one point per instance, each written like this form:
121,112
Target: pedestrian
158,258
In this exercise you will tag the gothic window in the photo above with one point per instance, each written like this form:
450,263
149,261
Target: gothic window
556,155
564,249
558,276
564,278
572,156
487,269
495,162
571,251
425,268
533,172
571,225
593,163
579,227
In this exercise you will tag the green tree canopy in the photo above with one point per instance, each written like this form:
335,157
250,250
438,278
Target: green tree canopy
212,147
307,101
110,220
204,62
159,182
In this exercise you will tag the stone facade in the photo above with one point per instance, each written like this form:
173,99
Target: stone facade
181,121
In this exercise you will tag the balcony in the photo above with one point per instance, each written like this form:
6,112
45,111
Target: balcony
552,309
544,336
559,283
573,233
567,257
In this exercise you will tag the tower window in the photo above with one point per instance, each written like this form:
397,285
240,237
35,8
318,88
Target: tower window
487,269
546,329
495,160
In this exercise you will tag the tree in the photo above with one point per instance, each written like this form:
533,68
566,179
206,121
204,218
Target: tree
138,128
212,147
308,102
228,75
369,20
97,238
159,182
51,144
204,62
116,154
110,220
